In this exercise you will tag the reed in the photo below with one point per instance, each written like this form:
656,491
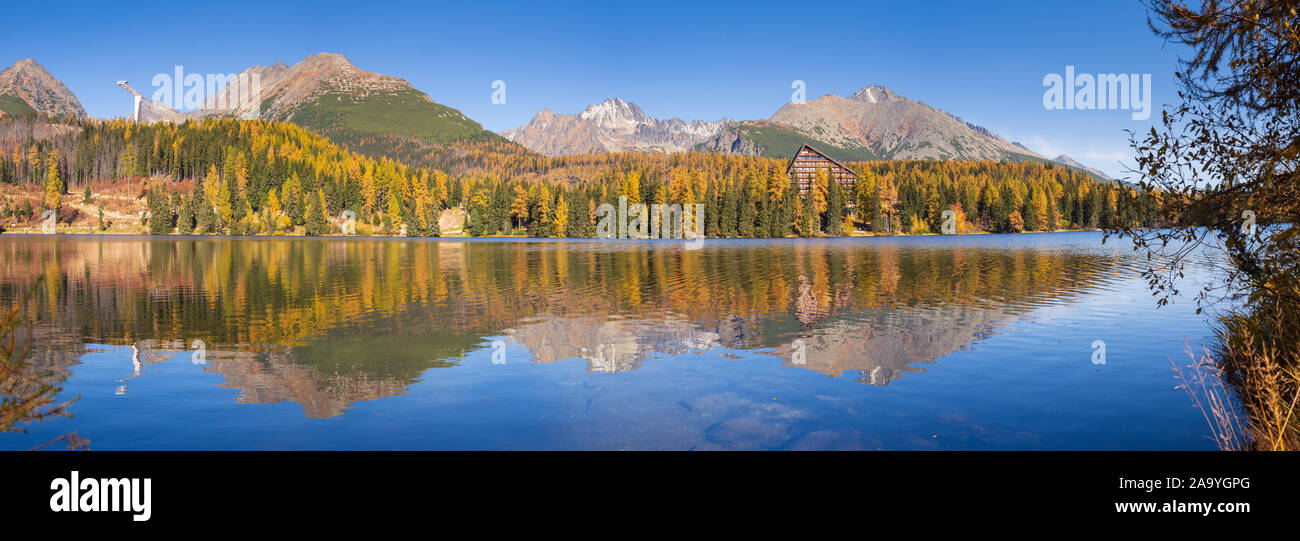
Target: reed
1248,383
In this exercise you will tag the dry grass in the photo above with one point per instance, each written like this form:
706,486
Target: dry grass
121,199
1248,384
1203,381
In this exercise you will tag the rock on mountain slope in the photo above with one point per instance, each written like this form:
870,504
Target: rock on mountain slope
26,87
325,92
610,126
873,123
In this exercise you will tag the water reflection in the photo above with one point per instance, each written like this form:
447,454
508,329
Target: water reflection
329,323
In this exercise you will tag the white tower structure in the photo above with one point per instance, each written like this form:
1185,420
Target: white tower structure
135,116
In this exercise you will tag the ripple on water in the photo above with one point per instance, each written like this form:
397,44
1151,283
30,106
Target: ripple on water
972,342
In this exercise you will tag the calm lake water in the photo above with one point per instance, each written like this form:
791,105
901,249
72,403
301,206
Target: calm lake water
973,342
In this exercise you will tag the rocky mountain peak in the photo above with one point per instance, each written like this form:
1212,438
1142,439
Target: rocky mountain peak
878,121
30,82
613,125
285,89
875,94
327,61
615,114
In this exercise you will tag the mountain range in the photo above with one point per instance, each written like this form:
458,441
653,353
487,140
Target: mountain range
326,93
874,123
611,126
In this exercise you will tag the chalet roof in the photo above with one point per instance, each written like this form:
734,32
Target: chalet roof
820,153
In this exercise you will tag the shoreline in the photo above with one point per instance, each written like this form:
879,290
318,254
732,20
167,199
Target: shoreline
29,232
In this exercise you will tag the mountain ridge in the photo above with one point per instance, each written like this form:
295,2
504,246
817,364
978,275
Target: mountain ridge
894,127
327,93
1071,162
873,123
613,125
30,83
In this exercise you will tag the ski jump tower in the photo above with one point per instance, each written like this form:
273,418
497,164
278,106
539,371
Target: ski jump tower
135,116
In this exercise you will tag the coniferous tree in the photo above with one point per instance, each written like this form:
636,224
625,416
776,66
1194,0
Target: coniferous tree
560,223
205,219
185,218
887,201
53,184
763,220
317,223
1036,217
834,209
474,222
160,212
810,219
743,196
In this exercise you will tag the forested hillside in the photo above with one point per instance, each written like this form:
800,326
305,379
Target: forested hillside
259,177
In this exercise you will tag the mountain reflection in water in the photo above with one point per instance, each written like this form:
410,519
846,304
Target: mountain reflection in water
328,323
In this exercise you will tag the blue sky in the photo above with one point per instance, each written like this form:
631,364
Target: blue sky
983,61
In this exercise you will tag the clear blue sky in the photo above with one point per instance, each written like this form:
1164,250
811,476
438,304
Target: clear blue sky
983,61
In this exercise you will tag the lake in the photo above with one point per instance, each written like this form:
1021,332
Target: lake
959,342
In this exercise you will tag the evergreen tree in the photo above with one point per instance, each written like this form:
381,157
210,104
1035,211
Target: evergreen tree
474,222
746,213
317,223
730,206
185,218
834,209
764,220
160,212
205,219
788,210
291,198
